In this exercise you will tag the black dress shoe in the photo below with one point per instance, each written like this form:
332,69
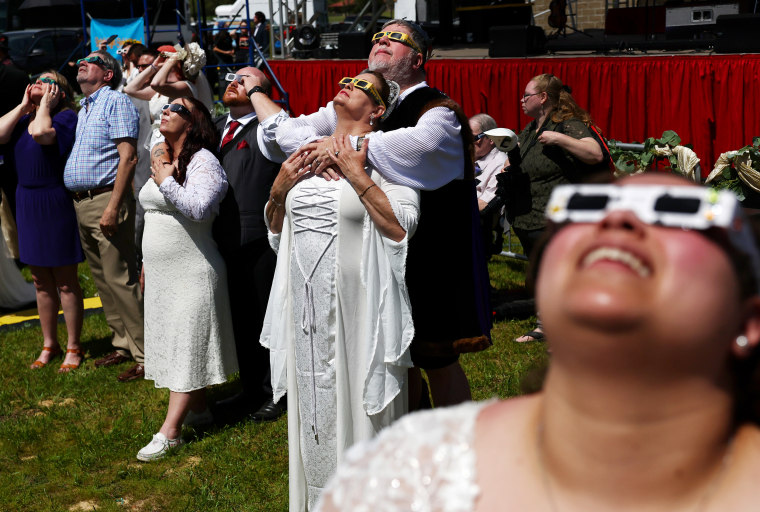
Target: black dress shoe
240,404
270,411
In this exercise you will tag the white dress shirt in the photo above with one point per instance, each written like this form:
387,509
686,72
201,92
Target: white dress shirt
425,156
490,165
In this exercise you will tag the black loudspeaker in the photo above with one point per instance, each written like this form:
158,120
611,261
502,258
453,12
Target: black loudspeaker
353,45
516,41
737,33
474,21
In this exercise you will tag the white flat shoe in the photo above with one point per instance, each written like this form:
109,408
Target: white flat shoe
198,419
157,448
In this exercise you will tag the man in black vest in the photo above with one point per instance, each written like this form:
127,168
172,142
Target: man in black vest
241,234
427,144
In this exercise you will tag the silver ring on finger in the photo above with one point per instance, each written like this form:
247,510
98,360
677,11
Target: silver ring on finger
337,153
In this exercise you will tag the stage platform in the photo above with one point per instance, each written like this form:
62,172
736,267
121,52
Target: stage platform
709,100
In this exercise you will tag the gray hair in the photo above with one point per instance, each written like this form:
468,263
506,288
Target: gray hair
417,34
485,122
112,65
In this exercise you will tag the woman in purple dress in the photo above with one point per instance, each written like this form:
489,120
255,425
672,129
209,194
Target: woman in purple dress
41,131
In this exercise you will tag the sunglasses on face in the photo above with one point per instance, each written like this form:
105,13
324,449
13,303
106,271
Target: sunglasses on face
143,66
398,37
669,206
177,108
365,85
231,77
479,136
46,80
93,60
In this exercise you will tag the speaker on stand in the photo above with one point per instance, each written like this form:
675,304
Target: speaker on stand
516,41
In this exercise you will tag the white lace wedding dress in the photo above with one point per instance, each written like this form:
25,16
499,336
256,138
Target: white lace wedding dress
338,325
188,330
424,462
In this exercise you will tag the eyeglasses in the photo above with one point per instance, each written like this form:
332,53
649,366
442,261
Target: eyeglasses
122,51
528,95
398,37
46,80
479,136
176,107
231,77
143,66
365,85
669,206
93,60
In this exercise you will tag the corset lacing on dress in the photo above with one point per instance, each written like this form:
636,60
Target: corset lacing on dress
322,221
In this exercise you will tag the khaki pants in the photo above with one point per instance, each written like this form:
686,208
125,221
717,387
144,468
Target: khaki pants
113,264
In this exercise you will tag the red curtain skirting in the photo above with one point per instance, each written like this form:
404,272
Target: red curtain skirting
710,101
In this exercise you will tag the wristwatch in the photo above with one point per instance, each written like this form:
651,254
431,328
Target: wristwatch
255,88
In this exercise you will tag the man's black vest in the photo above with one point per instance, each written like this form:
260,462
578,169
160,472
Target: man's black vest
446,270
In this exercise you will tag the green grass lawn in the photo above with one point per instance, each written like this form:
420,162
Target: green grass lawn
68,442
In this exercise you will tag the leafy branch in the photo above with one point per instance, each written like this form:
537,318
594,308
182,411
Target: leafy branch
629,162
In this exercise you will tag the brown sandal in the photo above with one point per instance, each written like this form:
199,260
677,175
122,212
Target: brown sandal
67,367
54,352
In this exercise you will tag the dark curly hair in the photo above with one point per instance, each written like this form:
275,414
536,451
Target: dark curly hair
201,135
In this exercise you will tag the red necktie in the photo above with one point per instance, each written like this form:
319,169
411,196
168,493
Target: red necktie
230,133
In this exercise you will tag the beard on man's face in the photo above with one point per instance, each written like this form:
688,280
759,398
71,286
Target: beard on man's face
392,67
231,98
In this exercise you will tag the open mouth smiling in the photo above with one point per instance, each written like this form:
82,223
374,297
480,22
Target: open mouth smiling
617,255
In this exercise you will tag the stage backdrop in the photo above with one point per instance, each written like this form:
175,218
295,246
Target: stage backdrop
710,101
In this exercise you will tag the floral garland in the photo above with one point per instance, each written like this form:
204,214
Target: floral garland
192,57
680,159
738,171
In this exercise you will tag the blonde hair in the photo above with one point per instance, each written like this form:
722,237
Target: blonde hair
67,99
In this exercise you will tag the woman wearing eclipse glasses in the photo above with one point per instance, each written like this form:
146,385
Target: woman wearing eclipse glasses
189,343
649,295
338,321
41,130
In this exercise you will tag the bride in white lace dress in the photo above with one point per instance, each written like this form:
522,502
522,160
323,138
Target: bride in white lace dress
338,322
188,332
649,295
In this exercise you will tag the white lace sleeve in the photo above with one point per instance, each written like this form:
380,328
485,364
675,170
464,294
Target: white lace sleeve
204,188
423,462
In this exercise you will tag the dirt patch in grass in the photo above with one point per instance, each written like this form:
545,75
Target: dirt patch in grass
83,505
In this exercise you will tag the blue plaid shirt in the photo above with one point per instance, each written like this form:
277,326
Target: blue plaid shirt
106,115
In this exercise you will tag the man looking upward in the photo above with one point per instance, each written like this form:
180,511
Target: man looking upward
426,143
99,174
241,234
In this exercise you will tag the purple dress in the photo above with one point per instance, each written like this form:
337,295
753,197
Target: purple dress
48,234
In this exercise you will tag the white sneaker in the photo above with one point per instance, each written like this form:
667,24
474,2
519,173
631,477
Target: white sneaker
157,448
198,419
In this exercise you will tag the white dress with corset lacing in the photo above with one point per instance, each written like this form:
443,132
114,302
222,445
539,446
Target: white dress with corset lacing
424,463
338,325
189,342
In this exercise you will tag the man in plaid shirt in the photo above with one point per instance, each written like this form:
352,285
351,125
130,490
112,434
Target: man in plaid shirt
99,175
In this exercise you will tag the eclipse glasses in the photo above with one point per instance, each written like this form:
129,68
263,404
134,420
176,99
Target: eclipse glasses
659,205
231,77
365,85
176,107
93,59
398,37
